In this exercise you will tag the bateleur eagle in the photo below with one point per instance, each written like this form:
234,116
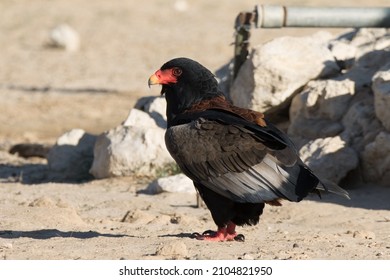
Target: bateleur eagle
237,160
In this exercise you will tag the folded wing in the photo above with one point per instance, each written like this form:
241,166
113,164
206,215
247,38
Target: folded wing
238,159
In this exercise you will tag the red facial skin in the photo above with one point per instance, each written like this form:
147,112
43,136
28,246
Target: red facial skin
166,76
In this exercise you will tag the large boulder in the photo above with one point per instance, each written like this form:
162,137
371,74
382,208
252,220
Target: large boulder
330,158
381,89
316,111
368,40
376,160
348,111
134,148
276,70
360,123
156,107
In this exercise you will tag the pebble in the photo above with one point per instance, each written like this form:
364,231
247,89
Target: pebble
6,245
64,37
174,184
247,257
363,234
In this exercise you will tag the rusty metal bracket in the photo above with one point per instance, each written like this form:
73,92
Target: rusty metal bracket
243,25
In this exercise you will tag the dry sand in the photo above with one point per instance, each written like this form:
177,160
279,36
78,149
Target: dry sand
45,92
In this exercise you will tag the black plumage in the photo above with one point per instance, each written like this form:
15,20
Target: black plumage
237,160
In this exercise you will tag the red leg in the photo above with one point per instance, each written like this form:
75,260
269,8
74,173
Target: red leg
226,233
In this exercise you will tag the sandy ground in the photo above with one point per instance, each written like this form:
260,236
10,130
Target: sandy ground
45,92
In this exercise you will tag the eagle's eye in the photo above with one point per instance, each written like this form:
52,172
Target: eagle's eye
176,71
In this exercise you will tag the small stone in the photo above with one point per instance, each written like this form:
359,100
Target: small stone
64,37
247,257
176,183
364,234
295,245
6,245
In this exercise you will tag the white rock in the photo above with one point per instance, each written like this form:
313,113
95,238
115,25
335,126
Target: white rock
72,155
360,123
370,39
157,110
139,118
340,115
330,158
313,128
376,160
130,150
155,107
381,89
366,67
177,183
328,98
343,52
277,69
65,37
317,110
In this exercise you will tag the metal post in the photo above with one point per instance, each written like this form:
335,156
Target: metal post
272,16
243,24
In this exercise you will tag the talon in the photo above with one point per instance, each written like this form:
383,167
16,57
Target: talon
195,235
209,232
239,238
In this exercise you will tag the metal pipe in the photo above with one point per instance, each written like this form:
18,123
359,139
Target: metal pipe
273,16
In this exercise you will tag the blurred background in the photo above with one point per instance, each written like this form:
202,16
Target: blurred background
46,90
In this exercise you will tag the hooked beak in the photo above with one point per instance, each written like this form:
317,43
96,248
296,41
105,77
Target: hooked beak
153,80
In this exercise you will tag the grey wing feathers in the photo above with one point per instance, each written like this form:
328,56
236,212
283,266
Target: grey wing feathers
233,161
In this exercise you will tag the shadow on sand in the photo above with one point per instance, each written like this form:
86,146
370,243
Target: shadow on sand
52,233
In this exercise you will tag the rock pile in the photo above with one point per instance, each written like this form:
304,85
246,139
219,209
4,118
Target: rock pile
337,91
